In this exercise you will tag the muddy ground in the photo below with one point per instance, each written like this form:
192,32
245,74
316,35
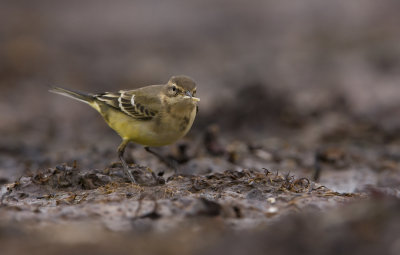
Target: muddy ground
295,150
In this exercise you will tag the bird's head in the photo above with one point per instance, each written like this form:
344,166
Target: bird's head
180,89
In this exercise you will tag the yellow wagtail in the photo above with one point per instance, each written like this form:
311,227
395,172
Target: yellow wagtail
154,115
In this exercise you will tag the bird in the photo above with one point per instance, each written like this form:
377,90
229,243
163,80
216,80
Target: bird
152,116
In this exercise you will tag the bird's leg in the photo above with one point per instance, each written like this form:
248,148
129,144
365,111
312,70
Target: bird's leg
121,150
169,162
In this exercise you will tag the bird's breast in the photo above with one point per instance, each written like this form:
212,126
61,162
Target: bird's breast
178,120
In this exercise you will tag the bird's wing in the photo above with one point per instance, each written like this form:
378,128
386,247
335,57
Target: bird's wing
135,103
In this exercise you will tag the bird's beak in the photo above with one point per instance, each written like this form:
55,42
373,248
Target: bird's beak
189,95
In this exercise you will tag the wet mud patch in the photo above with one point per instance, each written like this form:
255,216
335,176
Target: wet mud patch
241,199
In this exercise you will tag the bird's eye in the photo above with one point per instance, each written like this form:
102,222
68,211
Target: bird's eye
173,90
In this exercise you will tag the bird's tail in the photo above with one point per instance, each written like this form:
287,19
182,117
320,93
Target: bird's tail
83,97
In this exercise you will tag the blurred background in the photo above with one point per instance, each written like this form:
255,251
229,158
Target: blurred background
300,71
261,66
294,86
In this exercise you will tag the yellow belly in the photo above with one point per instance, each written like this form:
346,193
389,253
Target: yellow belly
155,132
